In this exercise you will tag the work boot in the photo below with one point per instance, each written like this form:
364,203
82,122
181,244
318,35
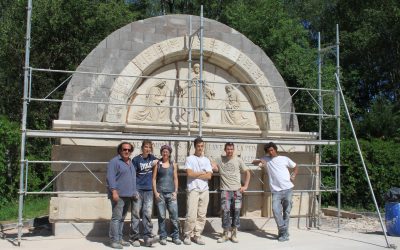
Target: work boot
234,238
224,237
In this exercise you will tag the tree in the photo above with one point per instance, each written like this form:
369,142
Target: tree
63,33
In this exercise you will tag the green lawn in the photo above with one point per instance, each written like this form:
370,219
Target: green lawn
34,207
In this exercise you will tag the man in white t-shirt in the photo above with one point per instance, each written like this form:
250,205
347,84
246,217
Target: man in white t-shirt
199,171
282,172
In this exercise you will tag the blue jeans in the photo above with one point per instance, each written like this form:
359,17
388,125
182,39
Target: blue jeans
281,206
167,201
231,203
119,211
142,208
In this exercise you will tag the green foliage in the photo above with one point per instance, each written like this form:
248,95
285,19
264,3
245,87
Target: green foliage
381,121
33,207
382,159
291,48
63,33
9,167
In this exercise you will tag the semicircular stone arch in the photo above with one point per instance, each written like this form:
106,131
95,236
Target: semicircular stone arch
148,46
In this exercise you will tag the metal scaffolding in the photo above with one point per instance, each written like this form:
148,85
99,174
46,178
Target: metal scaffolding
200,106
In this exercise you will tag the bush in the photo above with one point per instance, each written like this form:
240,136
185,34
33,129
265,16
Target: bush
382,159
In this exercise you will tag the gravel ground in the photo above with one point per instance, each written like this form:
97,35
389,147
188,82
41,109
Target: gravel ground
363,224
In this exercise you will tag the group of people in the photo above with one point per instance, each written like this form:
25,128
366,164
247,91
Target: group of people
133,183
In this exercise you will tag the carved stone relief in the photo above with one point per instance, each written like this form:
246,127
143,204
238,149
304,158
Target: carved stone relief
155,103
233,114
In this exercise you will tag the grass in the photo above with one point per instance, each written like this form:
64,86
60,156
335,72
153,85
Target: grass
33,207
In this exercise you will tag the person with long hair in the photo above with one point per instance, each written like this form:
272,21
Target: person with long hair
165,186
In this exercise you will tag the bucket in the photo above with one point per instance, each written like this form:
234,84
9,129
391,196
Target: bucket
392,217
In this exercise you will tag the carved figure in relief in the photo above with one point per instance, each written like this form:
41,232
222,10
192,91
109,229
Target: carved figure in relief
155,100
232,115
195,97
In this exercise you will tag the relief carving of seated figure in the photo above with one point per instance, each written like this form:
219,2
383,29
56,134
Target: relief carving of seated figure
155,108
232,115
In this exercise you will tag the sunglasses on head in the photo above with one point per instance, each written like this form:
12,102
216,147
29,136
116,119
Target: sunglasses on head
127,149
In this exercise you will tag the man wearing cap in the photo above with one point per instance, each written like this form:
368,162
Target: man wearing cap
199,171
121,183
230,168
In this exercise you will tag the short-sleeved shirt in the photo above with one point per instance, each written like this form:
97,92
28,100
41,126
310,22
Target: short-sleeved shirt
278,172
230,170
197,164
144,172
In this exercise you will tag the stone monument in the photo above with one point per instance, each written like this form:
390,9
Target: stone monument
144,85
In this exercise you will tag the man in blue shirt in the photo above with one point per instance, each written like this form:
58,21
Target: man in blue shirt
142,207
121,182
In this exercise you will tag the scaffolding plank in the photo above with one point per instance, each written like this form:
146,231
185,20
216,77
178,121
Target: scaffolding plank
161,137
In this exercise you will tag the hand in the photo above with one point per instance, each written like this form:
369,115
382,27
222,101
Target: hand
135,197
155,162
115,196
174,195
214,167
157,196
263,163
242,189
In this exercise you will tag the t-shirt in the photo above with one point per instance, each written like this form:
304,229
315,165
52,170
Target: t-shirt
278,172
144,172
230,170
197,164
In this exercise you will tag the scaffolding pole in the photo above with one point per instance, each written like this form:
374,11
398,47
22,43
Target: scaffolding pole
339,201
363,163
24,118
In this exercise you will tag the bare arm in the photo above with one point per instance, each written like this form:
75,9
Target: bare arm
199,175
246,182
115,195
155,172
214,166
294,173
175,180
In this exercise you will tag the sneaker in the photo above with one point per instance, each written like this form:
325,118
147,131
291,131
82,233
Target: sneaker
163,242
115,245
124,243
177,241
187,240
148,242
136,243
284,237
199,240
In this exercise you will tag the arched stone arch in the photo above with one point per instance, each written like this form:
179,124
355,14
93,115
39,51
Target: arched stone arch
135,46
